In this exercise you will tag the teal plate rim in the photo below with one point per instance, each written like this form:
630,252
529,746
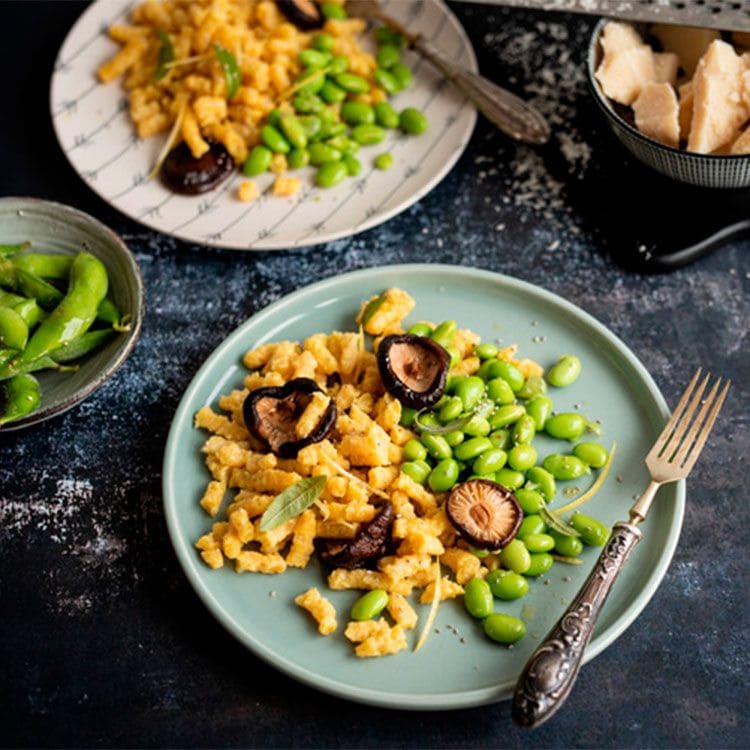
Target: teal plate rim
392,699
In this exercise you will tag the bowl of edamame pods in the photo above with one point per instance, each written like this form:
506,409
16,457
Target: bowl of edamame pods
71,306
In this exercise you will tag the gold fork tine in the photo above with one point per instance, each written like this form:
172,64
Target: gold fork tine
680,449
666,433
692,456
684,422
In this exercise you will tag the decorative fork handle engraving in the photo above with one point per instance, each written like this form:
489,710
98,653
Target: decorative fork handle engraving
508,112
551,671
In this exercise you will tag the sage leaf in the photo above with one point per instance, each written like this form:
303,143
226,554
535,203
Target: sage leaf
232,74
371,308
482,409
166,55
292,501
556,523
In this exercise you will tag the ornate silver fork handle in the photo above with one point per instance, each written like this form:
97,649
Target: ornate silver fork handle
552,669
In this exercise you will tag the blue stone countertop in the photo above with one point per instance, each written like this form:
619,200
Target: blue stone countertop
102,640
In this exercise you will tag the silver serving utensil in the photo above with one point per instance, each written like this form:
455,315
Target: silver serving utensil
725,15
550,673
508,112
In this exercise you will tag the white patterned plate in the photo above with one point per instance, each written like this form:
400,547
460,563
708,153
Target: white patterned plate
96,134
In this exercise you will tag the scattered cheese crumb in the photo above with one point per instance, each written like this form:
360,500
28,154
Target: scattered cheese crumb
286,186
247,191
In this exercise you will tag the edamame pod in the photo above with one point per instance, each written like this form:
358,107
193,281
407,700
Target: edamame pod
22,396
14,333
44,265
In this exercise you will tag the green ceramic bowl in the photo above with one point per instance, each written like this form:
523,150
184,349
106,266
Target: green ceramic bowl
55,228
458,666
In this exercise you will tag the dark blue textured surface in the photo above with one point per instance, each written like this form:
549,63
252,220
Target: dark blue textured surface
102,642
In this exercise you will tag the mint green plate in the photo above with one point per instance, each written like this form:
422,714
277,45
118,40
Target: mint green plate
453,669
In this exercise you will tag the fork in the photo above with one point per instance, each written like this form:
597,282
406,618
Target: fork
508,112
548,676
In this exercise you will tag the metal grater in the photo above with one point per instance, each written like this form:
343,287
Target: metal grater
709,14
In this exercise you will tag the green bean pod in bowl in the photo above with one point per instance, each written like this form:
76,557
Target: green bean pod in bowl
71,308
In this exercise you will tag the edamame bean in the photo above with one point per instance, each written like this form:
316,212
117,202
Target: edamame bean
507,585
506,415
453,380
293,130
353,165
593,532
542,481
508,372
340,143
454,438
429,419
530,501
565,426
333,10
480,553
322,153
489,461
477,426
522,457
509,478
388,55
331,130
310,81
331,173
411,120
565,372
369,605
304,104
331,93
514,556
14,333
403,74
313,58
407,416
258,161
534,386
414,450
368,135
420,329
593,454
272,138
387,81
472,448
312,125
538,542
478,598
486,350
385,162
452,350
568,546
444,334
501,439
415,471
451,409
539,564
323,42
563,466
470,391
339,64
274,117
539,408
504,628
385,115
298,158
524,430
356,113
531,524
437,447
352,83
444,475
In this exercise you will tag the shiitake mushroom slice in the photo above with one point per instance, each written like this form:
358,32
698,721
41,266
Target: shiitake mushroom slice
182,173
304,14
373,541
484,513
271,414
413,369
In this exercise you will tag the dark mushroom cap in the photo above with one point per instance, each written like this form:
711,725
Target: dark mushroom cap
373,541
413,369
484,513
271,414
304,14
182,173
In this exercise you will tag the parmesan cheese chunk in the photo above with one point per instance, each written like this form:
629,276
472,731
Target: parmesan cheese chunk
688,43
686,109
657,113
618,37
718,107
666,65
623,75
742,144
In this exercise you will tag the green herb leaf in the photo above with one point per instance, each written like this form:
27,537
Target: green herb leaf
555,522
166,55
292,501
482,409
232,74
7,250
371,308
